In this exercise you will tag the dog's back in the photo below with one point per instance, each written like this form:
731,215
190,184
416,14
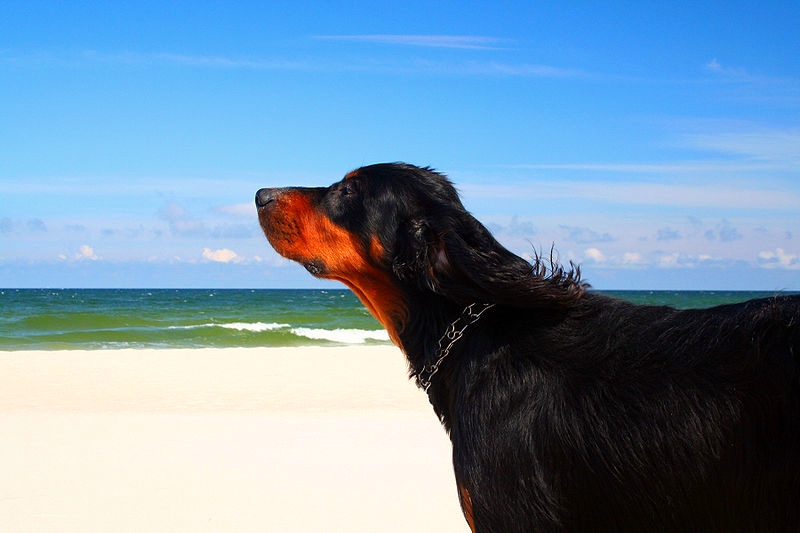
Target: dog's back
635,418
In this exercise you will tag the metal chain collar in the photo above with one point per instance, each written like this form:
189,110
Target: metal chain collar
453,334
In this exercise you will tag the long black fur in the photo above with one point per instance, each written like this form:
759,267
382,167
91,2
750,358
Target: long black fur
573,411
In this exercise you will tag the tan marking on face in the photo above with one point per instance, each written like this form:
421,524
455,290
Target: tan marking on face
300,232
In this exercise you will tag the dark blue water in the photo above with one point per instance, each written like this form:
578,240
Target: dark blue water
46,319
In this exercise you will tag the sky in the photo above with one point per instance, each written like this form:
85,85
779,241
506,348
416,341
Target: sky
656,145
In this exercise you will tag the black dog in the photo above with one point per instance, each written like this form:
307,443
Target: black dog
567,410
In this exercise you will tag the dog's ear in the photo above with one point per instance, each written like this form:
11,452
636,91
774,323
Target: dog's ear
465,264
474,267
461,260
420,254
429,257
411,249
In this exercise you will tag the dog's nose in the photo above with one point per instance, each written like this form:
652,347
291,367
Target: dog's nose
265,197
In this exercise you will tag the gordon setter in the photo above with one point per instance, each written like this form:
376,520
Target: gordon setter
567,410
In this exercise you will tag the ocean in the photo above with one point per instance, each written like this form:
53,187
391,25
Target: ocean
64,319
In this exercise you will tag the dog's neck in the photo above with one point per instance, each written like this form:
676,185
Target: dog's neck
431,333
427,319
454,332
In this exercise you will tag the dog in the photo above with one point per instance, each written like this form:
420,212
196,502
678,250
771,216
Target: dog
567,410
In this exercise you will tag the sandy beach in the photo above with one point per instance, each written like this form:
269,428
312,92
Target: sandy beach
235,440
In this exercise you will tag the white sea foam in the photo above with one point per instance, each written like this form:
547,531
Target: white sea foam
345,336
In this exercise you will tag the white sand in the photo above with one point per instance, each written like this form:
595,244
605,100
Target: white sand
233,440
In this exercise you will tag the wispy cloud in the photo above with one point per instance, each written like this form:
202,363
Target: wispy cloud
656,168
91,58
760,144
731,72
746,86
222,62
733,147
31,225
474,67
639,193
88,58
523,70
429,41
583,235
748,166
724,232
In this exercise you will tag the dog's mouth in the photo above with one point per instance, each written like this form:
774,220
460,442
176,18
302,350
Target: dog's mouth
316,268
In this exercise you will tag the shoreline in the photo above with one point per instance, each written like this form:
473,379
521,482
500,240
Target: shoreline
221,439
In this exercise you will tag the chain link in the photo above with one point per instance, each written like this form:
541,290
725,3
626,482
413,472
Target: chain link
453,333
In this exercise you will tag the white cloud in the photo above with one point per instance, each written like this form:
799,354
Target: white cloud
632,258
779,258
85,252
222,255
595,255
669,260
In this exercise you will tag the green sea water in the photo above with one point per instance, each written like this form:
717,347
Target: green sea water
47,319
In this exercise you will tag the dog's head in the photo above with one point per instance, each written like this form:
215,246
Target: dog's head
391,232
380,230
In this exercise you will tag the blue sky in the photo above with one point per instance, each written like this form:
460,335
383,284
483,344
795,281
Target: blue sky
656,145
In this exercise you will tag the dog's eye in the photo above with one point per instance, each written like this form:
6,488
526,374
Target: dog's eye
347,188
